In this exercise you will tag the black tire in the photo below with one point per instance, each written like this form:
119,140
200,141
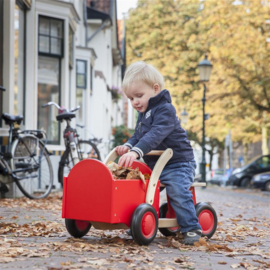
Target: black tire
144,224
245,183
207,218
267,186
29,153
66,164
77,228
162,214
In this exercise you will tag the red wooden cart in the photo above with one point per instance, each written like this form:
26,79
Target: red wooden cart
92,197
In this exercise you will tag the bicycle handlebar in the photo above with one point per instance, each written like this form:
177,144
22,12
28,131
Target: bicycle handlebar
51,103
60,108
75,109
81,126
2,88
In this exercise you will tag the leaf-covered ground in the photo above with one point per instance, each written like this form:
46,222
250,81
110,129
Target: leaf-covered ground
33,235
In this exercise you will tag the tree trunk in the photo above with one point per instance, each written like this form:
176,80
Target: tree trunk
245,153
265,150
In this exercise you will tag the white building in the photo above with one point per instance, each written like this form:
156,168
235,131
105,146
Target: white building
64,51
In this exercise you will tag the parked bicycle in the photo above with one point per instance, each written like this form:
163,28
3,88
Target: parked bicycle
104,147
76,149
27,160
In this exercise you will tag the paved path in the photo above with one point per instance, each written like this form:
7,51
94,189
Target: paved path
33,236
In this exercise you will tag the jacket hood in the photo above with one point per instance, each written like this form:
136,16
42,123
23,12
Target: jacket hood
163,97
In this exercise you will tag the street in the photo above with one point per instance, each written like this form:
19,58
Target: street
33,236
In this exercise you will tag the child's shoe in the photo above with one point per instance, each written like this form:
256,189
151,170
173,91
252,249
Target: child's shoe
192,237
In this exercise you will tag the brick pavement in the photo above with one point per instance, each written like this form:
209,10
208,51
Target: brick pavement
241,241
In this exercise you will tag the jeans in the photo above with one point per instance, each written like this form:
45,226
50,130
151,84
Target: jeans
178,177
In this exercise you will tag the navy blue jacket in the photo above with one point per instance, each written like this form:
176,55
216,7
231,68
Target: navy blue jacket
158,128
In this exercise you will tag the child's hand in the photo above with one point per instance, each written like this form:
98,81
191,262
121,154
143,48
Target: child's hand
127,159
121,150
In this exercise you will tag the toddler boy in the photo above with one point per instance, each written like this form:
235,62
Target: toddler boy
158,128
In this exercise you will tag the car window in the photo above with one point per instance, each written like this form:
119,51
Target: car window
219,172
263,162
252,160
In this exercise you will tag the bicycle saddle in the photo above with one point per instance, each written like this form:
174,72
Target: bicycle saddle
9,119
65,116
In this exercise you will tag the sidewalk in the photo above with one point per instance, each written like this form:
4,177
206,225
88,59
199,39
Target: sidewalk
33,236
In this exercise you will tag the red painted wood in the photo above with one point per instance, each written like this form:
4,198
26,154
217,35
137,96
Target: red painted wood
90,193
192,189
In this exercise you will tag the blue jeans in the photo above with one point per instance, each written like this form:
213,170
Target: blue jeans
178,177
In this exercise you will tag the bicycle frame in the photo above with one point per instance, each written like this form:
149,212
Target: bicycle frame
70,135
103,146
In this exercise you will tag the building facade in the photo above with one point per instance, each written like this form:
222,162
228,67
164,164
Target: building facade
66,52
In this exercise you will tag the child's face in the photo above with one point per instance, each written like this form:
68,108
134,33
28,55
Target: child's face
139,94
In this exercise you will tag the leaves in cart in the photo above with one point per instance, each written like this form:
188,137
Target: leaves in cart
127,173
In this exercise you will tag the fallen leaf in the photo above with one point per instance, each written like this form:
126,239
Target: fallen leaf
235,266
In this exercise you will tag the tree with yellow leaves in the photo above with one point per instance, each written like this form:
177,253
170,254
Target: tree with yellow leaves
174,35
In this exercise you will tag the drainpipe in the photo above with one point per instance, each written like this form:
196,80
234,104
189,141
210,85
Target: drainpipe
123,49
85,21
98,30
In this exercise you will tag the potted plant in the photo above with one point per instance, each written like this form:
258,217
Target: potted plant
116,93
121,134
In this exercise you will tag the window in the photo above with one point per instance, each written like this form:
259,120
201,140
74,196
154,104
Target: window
263,162
1,57
81,74
81,84
70,57
50,48
19,60
70,48
48,90
50,36
91,78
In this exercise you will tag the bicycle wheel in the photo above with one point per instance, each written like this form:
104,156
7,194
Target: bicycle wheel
32,167
86,149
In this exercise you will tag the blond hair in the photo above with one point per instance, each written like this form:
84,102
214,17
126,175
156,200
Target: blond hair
140,71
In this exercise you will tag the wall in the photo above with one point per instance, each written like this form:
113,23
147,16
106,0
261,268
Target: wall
101,112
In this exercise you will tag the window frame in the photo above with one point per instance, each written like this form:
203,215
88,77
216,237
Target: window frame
23,8
91,78
71,48
57,56
61,55
1,56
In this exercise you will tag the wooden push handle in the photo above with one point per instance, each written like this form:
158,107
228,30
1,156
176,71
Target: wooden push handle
155,153
113,155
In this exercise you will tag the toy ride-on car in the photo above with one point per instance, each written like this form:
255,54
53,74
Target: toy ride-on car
92,197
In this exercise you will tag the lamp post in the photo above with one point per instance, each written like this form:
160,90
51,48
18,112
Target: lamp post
205,68
184,116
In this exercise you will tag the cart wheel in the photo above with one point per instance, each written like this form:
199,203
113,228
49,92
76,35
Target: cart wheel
144,224
77,228
163,213
207,218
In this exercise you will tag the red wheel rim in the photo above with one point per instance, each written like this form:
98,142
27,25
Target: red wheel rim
81,224
148,224
207,221
173,229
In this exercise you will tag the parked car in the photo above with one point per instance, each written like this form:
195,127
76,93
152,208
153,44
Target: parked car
198,178
219,177
262,181
241,177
